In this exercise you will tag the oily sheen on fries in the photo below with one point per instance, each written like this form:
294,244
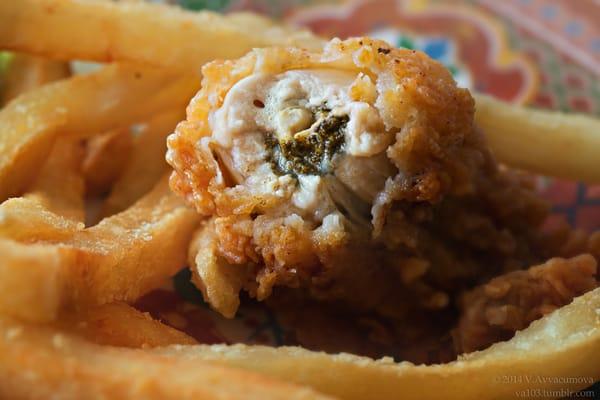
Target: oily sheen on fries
83,105
59,187
32,281
136,32
40,363
134,251
26,220
562,347
121,325
546,142
120,258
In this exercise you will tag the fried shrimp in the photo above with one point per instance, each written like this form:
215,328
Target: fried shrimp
355,175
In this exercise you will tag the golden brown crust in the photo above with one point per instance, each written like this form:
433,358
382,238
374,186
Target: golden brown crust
444,217
495,311
417,98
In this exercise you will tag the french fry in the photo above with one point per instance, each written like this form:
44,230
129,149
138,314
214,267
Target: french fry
106,157
40,363
564,344
119,259
59,186
121,325
136,250
83,105
147,162
53,210
25,219
546,142
32,280
136,32
27,72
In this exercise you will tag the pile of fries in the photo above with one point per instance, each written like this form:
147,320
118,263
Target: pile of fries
88,223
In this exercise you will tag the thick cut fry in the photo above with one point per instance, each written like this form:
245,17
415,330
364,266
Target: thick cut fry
562,348
121,325
42,363
83,105
106,156
137,32
546,142
53,210
135,251
25,219
27,72
121,258
146,164
32,280
59,186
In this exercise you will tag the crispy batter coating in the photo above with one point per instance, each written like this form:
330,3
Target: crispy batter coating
416,97
433,153
396,222
508,303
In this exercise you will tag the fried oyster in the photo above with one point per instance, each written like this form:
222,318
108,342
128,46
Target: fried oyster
353,176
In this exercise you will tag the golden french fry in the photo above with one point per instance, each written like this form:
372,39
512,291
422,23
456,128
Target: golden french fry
144,244
32,280
40,363
83,105
121,258
562,348
147,162
106,157
34,274
139,32
25,219
546,142
121,325
59,185
27,72
135,251
53,209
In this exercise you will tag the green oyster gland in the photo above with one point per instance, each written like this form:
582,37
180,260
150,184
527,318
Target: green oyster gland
309,151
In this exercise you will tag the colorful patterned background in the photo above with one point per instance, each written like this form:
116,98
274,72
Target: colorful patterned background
540,52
